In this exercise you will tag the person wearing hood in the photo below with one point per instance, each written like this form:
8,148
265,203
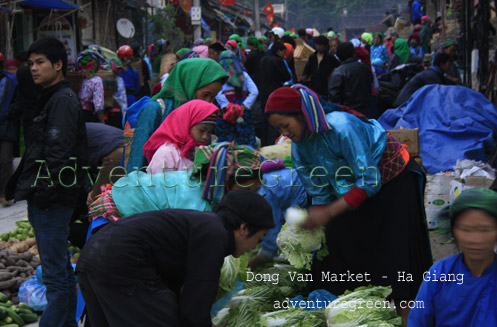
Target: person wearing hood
91,93
164,266
450,47
461,290
414,42
379,52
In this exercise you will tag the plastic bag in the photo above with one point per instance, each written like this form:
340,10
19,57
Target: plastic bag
33,293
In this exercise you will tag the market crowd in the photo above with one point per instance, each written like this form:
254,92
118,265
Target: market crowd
243,121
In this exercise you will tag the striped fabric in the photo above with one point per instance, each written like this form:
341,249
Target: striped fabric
223,160
312,110
104,206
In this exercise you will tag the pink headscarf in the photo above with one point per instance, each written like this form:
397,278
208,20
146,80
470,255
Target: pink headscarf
176,127
202,50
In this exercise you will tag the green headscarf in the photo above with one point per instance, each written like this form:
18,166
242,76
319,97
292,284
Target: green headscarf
402,50
238,40
332,34
294,35
448,42
252,40
477,198
368,37
188,76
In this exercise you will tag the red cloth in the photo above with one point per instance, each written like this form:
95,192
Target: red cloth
289,52
363,54
176,127
226,2
284,100
233,43
11,62
355,197
156,88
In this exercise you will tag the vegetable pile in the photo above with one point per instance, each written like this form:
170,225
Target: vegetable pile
298,244
365,306
15,316
21,233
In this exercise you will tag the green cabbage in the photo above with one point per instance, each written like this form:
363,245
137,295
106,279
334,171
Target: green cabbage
297,244
233,270
366,305
294,318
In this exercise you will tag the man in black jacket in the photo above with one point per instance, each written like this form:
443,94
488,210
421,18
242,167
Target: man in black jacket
320,66
351,83
162,268
432,75
50,175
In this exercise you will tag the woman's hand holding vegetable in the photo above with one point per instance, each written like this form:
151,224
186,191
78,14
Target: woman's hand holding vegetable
319,216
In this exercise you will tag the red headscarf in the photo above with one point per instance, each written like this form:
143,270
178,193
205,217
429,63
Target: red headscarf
363,54
11,62
176,127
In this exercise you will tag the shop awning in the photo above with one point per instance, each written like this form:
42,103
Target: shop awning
50,4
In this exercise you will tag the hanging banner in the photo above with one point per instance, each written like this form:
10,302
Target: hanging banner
61,29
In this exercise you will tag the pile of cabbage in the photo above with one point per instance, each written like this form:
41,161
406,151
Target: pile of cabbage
298,244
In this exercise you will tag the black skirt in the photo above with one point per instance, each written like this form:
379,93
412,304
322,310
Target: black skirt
384,242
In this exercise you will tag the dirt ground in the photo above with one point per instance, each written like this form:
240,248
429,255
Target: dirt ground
440,246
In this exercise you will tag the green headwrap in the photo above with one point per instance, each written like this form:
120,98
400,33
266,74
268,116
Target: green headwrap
477,198
340,36
238,40
188,76
294,35
448,42
332,34
368,37
252,40
402,50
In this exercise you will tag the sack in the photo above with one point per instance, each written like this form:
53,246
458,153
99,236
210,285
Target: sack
33,293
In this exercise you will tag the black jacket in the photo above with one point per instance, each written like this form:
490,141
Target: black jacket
350,85
319,74
252,63
432,75
182,250
272,73
58,147
9,128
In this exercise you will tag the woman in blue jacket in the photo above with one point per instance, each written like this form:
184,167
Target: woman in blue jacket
365,190
461,290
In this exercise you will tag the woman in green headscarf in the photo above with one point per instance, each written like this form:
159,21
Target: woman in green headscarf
402,55
461,290
240,50
196,78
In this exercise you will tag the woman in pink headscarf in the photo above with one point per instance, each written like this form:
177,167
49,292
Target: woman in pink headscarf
171,146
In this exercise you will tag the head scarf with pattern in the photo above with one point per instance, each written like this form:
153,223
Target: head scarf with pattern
115,64
233,67
88,62
223,160
188,76
238,40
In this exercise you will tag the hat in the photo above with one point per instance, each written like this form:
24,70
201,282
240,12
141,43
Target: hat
308,31
212,119
448,42
283,100
250,207
12,62
278,31
418,26
425,18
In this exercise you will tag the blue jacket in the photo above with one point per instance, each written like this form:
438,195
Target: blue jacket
416,10
463,301
331,163
282,189
149,119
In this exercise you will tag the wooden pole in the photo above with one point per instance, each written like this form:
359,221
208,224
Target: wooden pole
106,22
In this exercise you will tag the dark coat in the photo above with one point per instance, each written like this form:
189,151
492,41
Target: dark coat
181,250
252,63
57,144
320,74
432,75
9,128
351,85
272,73
395,61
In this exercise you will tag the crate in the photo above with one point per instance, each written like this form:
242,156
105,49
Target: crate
299,68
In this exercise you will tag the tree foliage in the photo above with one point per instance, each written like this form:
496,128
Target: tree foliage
164,25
